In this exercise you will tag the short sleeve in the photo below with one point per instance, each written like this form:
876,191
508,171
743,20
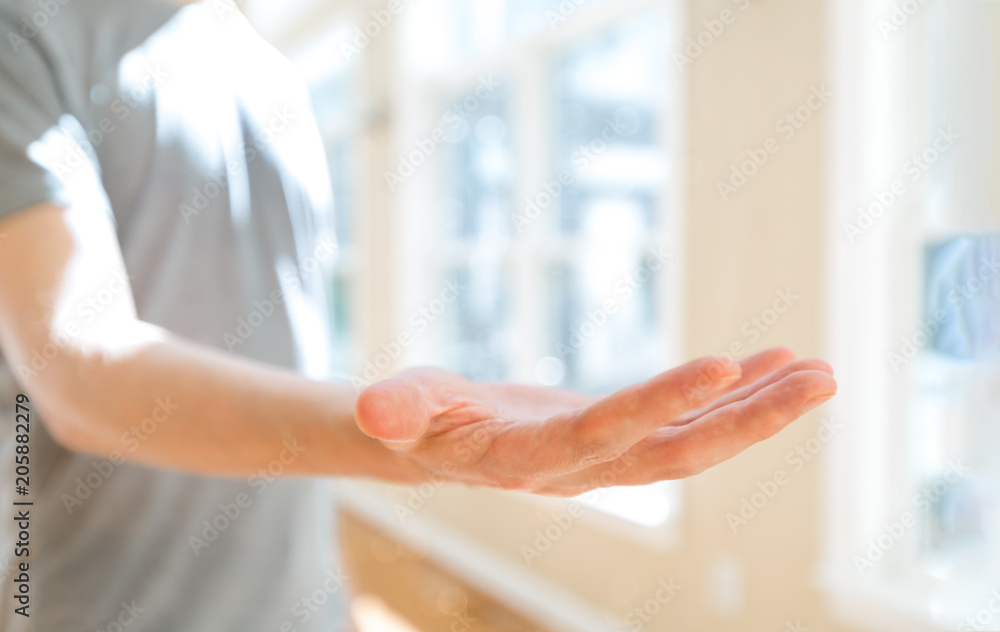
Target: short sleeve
37,136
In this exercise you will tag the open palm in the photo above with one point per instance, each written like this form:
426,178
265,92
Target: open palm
556,442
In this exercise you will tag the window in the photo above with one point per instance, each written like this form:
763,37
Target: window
331,78
531,229
534,159
603,278
914,534
478,181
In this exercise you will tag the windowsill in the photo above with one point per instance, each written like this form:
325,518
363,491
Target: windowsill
529,594
662,537
877,604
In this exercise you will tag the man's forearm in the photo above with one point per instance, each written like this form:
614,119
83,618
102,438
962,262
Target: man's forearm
166,402
119,385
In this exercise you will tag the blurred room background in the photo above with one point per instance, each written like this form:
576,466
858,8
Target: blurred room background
586,192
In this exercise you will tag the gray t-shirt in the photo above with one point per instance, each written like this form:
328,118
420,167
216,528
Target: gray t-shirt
197,138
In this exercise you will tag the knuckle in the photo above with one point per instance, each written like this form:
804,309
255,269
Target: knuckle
772,425
761,422
595,449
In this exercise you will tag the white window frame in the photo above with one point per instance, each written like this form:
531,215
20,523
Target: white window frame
385,265
420,104
880,116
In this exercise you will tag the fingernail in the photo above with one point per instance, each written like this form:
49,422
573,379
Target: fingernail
815,403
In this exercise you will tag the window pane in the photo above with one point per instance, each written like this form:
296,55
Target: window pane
342,179
336,116
527,17
955,406
963,296
445,33
604,314
480,179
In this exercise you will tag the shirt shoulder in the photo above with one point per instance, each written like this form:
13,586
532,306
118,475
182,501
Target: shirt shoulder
52,53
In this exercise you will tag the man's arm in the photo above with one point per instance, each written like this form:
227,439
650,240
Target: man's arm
225,415
231,416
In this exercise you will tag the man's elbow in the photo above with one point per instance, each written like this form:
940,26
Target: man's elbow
72,436
72,405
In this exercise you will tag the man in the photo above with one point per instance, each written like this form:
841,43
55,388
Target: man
161,179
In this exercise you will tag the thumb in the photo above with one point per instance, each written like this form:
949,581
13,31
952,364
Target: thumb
392,410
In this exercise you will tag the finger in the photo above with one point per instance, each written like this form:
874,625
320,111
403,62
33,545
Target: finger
724,433
674,453
763,364
393,410
745,392
754,368
603,431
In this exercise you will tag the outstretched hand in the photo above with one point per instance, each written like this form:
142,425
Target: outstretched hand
556,442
